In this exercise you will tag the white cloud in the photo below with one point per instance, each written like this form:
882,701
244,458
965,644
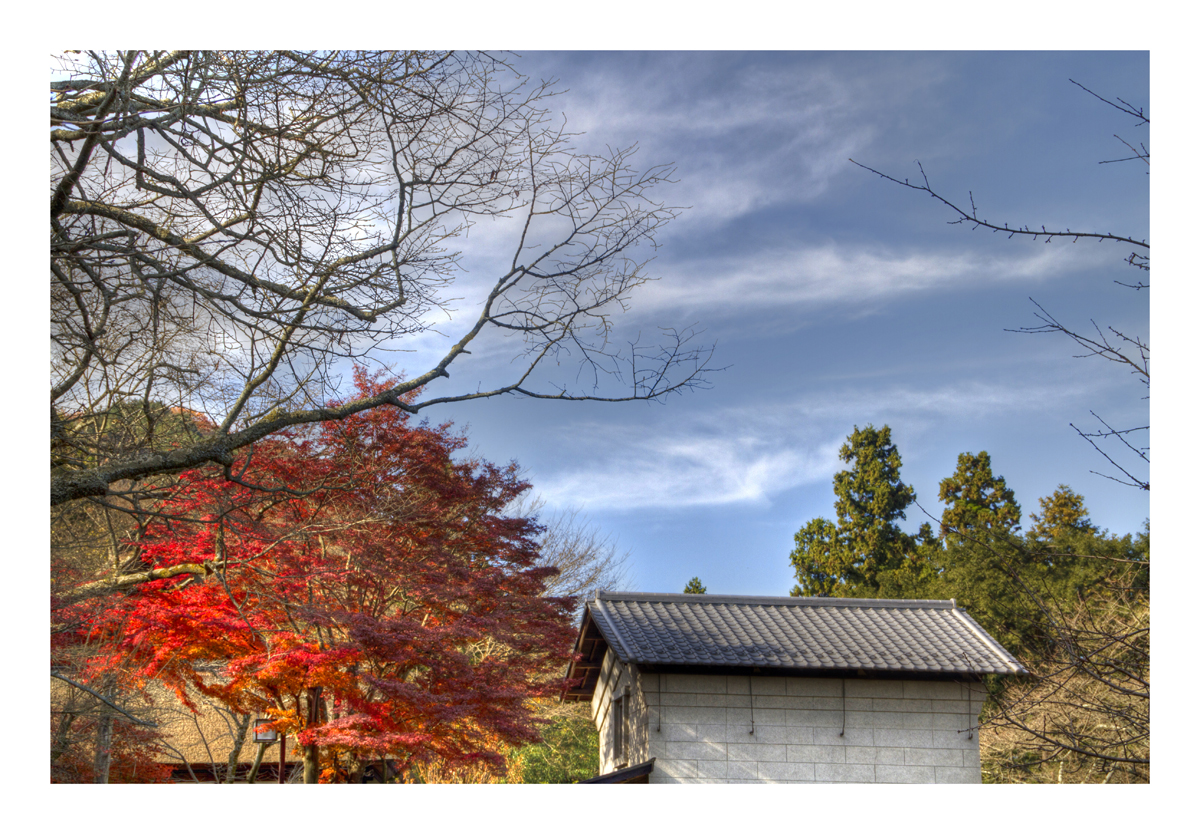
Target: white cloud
751,454
745,134
689,472
834,274
809,277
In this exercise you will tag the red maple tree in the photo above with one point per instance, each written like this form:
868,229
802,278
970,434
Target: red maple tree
362,585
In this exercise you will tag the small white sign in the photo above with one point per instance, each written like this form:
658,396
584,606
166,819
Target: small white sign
264,734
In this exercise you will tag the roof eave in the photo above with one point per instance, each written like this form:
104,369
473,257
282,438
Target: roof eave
590,647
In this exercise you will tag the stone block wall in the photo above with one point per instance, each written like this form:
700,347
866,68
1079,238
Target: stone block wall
729,728
616,678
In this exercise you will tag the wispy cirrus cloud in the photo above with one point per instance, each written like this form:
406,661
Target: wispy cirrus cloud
746,131
833,273
688,471
751,454
786,285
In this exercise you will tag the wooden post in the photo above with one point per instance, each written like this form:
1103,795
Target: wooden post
282,756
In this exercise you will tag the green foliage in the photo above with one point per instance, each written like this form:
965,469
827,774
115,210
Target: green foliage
1084,713
820,559
694,586
1062,512
976,500
1015,586
871,498
1020,587
852,557
569,751
992,576
915,576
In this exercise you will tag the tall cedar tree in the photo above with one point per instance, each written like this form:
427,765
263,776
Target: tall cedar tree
984,561
852,557
976,500
1062,512
367,591
1011,583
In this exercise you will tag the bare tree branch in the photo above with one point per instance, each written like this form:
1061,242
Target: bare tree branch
973,217
238,227
102,699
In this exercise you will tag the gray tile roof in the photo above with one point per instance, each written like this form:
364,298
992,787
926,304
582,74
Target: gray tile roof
806,634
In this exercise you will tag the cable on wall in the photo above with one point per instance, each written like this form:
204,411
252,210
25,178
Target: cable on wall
843,732
660,703
961,686
750,680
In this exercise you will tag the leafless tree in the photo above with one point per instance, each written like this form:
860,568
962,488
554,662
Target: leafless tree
1085,716
587,559
231,230
1129,351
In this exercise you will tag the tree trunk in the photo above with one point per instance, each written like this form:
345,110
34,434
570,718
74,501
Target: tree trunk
311,773
243,724
311,767
62,737
103,748
258,757
104,733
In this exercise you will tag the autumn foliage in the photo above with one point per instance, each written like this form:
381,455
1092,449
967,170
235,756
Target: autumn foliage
362,585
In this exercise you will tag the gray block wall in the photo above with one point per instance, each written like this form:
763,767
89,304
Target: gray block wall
699,728
615,677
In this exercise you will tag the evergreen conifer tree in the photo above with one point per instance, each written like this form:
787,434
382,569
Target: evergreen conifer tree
976,500
848,559
1062,511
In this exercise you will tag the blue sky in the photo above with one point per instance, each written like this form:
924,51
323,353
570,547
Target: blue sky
837,299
